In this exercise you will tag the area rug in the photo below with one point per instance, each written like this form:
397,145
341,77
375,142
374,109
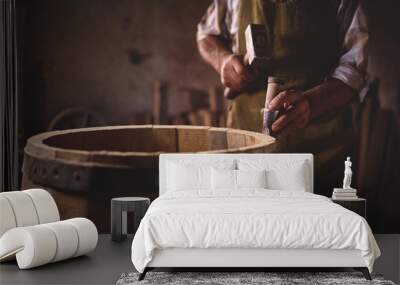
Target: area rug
244,278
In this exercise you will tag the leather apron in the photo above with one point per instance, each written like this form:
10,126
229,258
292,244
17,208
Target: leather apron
304,45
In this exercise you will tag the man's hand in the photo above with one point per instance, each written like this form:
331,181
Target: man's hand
300,107
234,73
296,111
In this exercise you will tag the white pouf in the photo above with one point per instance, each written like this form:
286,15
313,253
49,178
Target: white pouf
40,244
67,238
26,208
31,231
7,219
23,208
45,205
87,233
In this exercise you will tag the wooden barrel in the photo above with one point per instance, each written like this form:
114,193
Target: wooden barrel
84,168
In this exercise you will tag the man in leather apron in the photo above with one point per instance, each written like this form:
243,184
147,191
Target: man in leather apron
319,49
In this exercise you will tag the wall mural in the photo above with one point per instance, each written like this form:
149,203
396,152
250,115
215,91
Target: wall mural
131,62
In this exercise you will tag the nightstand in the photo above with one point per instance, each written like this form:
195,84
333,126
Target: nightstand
357,205
119,208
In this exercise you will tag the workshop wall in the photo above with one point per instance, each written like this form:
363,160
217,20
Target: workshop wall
105,56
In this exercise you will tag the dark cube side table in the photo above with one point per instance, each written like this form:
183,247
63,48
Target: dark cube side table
357,205
119,209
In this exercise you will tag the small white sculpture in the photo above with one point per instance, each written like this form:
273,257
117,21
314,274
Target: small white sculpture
347,174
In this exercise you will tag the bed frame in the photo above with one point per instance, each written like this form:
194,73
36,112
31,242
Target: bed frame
251,258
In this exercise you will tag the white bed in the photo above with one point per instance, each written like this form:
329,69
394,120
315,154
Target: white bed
249,227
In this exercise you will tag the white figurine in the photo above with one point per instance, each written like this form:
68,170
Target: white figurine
347,174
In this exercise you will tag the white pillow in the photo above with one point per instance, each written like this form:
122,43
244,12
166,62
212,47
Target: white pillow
223,179
237,179
251,178
193,175
290,179
292,175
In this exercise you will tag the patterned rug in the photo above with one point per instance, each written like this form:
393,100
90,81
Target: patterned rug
244,278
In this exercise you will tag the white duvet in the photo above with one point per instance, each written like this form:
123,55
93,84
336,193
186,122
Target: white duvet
250,219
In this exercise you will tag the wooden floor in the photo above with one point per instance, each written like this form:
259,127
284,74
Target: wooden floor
110,260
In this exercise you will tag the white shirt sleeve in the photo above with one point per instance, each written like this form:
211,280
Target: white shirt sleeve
221,19
352,67
211,23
